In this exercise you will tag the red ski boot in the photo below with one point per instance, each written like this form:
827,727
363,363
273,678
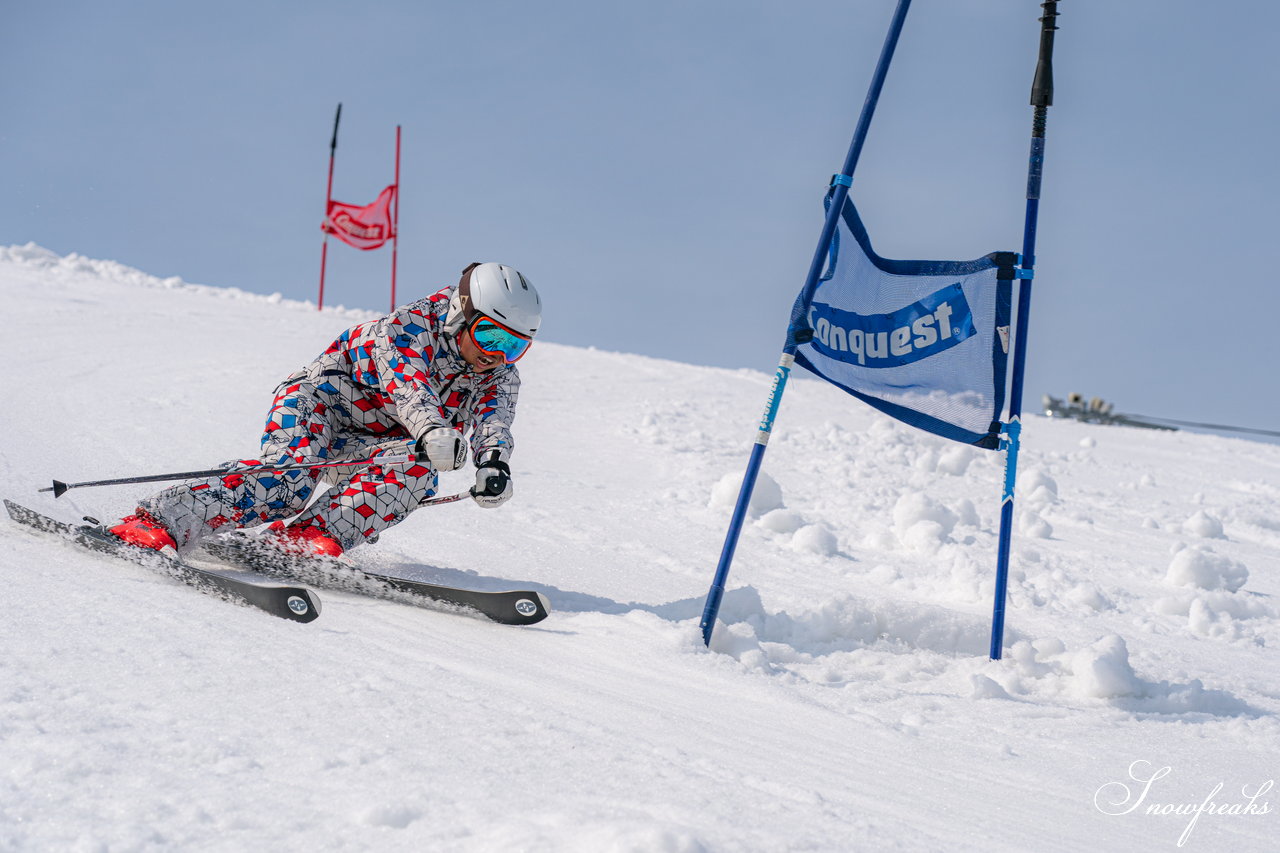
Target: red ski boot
143,531
304,540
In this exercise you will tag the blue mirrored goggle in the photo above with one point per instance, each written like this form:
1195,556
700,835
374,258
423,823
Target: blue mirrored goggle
493,338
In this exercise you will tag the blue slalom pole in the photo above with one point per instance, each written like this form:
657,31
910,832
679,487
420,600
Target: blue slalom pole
841,184
1041,99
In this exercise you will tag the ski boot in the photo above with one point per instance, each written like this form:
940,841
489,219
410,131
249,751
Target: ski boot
303,540
142,531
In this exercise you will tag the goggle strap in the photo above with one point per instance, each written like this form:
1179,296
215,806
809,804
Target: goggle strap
464,294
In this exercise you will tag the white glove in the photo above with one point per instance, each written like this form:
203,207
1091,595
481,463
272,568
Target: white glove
442,448
493,481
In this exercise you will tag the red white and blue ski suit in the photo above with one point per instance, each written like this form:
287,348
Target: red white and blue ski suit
376,386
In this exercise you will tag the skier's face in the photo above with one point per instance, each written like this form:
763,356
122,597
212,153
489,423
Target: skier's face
481,362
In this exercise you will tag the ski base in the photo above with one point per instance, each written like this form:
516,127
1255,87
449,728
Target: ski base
287,602
509,607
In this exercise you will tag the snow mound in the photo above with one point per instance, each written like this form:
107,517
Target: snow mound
1103,672
1201,568
815,539
781,521
1203,525
766,496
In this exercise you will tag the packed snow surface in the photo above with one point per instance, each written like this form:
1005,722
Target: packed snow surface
846,703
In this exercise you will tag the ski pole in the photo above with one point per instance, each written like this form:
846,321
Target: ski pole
60,488
447,499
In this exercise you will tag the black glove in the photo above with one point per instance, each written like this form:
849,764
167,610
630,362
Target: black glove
442,448
493,481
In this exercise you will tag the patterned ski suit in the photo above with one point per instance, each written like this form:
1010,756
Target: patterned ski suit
378,385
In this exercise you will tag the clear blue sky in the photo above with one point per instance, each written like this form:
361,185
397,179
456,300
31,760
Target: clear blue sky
658,168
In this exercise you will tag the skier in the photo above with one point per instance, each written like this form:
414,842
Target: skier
429,371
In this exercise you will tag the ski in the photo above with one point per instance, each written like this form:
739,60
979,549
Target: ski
509,607
287,602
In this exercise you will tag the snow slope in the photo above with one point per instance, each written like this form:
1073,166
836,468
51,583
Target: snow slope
846,704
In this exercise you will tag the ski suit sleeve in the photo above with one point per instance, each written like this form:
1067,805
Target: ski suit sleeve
404,366
492,413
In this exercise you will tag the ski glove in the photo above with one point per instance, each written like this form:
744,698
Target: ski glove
442,448
493,481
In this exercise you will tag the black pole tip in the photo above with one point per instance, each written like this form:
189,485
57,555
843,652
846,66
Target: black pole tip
59,488
1042,85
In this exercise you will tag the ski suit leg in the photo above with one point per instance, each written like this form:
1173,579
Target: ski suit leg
371,500
298,430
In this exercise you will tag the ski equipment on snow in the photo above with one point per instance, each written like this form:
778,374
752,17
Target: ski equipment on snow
143,531
304,540
287,602
509,607
60,488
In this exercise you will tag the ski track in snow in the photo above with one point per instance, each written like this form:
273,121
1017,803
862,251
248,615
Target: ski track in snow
846,703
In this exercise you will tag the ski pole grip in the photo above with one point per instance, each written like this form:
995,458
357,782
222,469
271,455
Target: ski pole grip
395,459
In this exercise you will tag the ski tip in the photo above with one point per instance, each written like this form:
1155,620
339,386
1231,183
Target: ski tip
303,605
531,608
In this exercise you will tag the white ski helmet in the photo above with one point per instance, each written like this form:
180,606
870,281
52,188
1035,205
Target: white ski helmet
496,291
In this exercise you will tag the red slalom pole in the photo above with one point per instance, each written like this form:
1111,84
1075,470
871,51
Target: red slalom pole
328,197
324,257
395,223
